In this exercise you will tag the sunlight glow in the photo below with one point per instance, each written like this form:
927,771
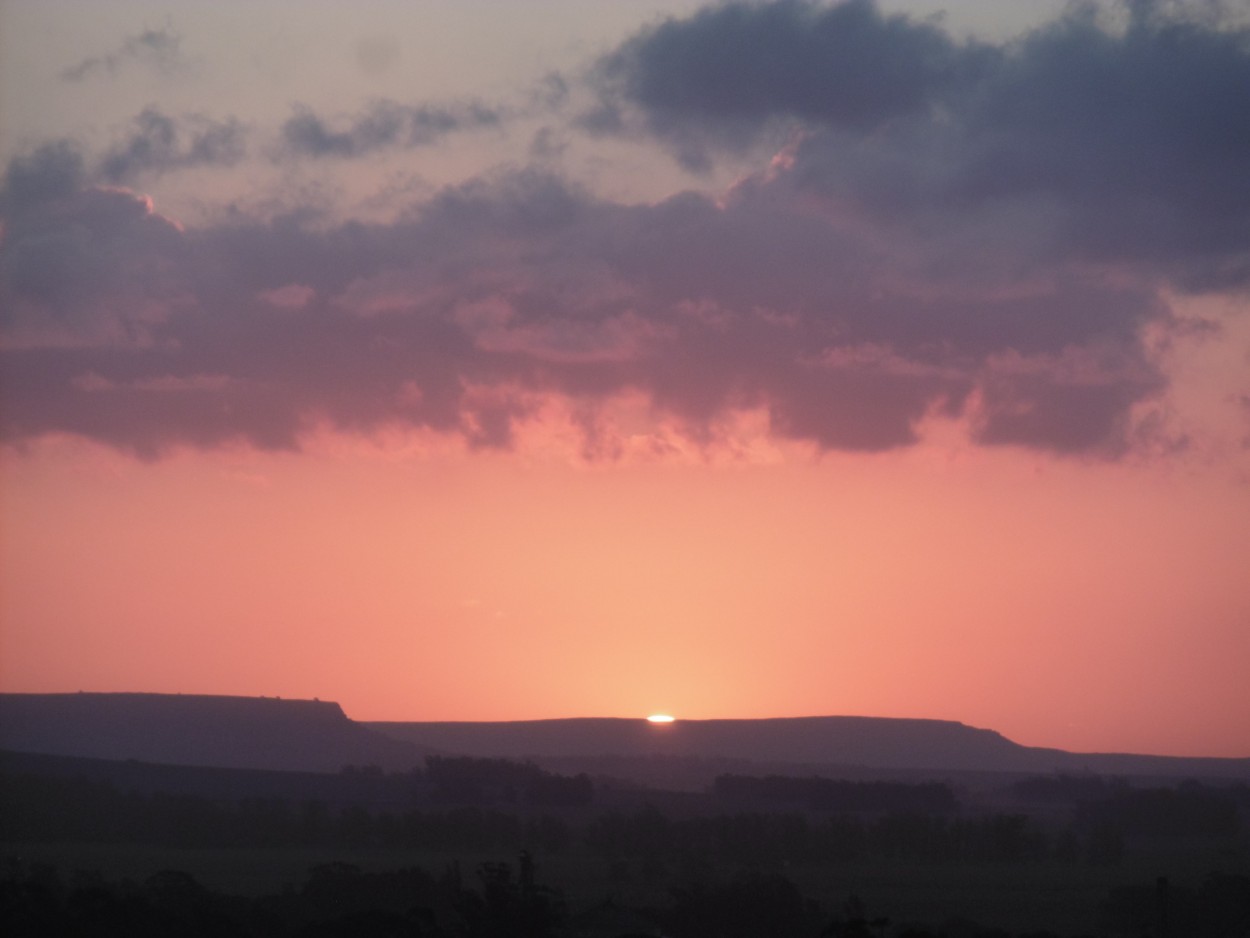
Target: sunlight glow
660,718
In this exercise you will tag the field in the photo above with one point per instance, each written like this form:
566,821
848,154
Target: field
643,856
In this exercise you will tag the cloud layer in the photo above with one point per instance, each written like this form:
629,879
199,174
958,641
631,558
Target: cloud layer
953,229
1105,145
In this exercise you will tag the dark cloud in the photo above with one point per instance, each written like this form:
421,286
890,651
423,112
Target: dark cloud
81,266
1143,137
1091,144
1072,416
735,66
383,125
158,49
127,329
52,172
739,72
158,143
952,229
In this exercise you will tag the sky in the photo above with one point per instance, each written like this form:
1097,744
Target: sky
489,360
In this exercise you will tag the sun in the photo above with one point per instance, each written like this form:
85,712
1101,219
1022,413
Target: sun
660,718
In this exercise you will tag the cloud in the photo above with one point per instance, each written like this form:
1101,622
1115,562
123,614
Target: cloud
383,125
738,72
985,234
78,263
1088,143
735,66
157,49
158,144
495,295
53,171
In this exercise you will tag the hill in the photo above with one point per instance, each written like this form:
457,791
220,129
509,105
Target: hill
879,742
190,729
316,736
837,741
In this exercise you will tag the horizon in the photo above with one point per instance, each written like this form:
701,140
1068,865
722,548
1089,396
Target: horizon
667,720
480,360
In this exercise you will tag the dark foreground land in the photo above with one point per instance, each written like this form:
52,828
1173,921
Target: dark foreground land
148,814
470,846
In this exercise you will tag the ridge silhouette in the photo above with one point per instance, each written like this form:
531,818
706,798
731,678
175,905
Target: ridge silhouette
315,735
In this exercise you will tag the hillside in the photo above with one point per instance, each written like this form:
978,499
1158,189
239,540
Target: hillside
189,729
316,736
881,742
862,742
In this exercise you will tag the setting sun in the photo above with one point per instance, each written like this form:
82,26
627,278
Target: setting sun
660,718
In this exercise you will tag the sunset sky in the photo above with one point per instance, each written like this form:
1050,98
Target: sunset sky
507,360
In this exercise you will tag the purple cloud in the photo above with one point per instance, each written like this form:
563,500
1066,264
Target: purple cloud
1094,146
382,125
123,327
157,143
953,229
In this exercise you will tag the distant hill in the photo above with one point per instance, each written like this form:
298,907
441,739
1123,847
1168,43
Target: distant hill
316,736
881,742
189,729
853,742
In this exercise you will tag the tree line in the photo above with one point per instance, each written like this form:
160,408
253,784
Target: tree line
502,899
497,804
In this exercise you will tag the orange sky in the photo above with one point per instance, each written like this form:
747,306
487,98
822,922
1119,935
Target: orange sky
457,363
1087,607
